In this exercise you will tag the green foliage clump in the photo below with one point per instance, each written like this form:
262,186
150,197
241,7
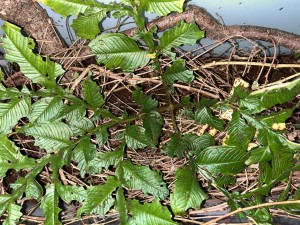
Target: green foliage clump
69,128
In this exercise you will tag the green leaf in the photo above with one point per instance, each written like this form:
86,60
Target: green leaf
150,213
11,112
136,137
265,175
9,93
25,163
187,192
222,159
177,72
205,116
86,26
260,154
276,117
50,136
84,152
33,190
147,102
175,146
9,151
183,33
118,50
102,135
92,95
81,127
121,206
164,7
197,143
13,214
268,97
152,122
4,201
99,199
240,133
45,109
105,160
69,193
69,7
49,205
19,50
72,113
145,179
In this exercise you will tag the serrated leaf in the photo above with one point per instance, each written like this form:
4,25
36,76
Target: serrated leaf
205,116
145,179
175,146
183,33
92,95
267,97
135,137
164,7
276,117
187,192
50,136
84,152
150,213
45,109
86,26
72,113
9,93
99,198
118,50
24,163
13,214
146,101
69,193
239,133
177,72
69,7
9,151
222,159
197,143
4,201
11,112
49,205
265,173
19,50
152,122
102,135
260,154
33,190
105,160
81,127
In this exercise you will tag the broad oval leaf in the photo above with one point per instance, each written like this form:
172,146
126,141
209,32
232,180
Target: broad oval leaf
99,198
9,151
205,116
152,122
19,50
187,192
83,153
146,101
136,137
11,112
49,205
45,109
175,146
69,7
91,93
222,159
145,179
177,72
69,193
197,143
118,50
164,7
50,136
183,33
150,213
13,214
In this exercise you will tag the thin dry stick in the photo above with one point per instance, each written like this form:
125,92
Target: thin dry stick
249,208
275,66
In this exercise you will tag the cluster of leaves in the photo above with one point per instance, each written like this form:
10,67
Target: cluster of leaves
58,122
